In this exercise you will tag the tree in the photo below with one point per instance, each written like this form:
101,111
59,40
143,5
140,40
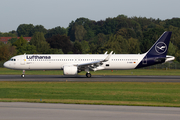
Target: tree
39,41
20,42
174,22
55,31
22,46
25,30
98,43
77,33
9,34
55,51
60,42
77,48
12,40
14,33
28,49
177,55
133,46
117,44
82,29
109,26
37,28
6,51
126,33
171,49
175,37
85,47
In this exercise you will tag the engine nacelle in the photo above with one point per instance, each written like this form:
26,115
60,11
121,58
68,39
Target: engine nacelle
70,70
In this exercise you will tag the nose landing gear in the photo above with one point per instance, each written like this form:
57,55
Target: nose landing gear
23,74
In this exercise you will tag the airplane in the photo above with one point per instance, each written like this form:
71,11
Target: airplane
72,64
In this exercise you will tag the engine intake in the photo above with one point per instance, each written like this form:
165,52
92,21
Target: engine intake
70,70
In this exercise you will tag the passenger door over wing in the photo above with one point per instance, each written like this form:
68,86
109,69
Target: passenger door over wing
22,60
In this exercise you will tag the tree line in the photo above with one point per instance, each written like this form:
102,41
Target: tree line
121,34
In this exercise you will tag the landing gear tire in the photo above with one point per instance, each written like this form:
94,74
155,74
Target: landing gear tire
22,75
88,75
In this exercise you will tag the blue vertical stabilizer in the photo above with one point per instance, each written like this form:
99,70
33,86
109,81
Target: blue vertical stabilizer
157,53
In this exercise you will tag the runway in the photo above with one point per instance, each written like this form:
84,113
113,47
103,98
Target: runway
44,111
95,78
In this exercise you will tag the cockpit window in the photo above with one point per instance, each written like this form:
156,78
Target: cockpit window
12,59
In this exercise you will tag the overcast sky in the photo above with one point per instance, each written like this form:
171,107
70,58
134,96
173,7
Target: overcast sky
53,13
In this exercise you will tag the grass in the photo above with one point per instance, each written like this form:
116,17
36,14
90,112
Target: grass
172,72
106,93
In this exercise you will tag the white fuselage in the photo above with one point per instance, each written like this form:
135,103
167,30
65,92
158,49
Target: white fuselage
56,61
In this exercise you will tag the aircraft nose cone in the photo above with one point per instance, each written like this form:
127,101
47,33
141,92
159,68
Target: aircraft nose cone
6,65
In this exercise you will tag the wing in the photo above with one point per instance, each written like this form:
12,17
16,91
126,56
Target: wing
93,65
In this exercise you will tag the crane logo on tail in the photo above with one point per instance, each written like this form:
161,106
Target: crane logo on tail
161,47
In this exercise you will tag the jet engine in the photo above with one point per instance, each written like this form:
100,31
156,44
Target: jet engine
70,70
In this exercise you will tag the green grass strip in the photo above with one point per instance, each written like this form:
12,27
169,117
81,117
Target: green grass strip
106,93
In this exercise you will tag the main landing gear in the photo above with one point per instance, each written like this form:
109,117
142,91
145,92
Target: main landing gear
88,75
23,74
